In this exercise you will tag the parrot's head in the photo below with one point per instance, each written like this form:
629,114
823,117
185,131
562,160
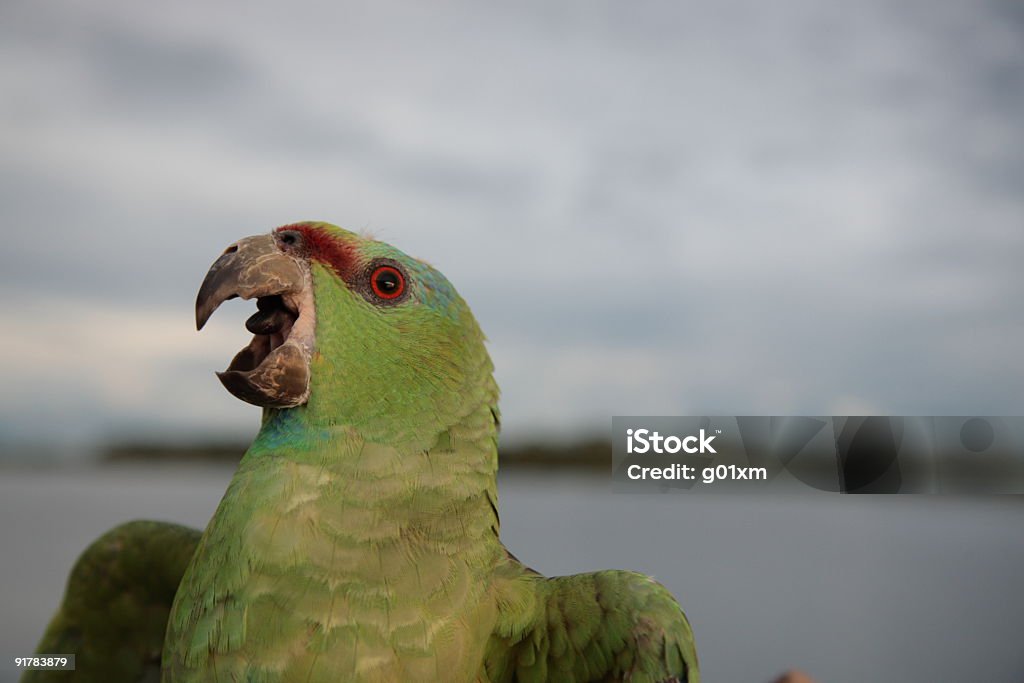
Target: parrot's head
351,332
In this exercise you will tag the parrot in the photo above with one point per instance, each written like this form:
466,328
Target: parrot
358,539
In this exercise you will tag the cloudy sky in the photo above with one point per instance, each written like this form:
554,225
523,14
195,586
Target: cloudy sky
653,208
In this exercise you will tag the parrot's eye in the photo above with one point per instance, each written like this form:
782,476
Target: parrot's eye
387,282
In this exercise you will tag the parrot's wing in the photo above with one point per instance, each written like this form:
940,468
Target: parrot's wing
604,626
116,605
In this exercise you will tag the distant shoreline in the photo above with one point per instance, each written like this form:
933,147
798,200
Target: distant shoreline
589,454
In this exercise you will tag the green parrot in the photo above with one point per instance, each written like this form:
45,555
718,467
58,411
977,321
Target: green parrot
359,537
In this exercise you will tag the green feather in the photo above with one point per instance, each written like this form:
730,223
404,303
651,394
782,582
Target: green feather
115,608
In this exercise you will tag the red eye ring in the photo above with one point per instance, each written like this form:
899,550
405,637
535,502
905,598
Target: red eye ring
387,282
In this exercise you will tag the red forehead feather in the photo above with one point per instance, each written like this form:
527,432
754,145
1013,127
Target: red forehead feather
325,247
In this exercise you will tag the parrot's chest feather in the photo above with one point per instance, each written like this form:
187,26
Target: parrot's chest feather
334,573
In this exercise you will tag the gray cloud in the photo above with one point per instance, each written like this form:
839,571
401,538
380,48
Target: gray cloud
730,207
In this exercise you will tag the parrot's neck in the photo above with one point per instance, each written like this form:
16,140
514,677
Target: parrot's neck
446,492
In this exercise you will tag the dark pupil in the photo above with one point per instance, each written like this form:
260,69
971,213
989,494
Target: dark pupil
387,281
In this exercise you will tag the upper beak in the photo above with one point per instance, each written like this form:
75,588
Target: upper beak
273,370
249,268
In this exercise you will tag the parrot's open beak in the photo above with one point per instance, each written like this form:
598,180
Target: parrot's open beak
273,370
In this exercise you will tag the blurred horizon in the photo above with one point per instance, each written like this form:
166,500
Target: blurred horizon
583,454
686,208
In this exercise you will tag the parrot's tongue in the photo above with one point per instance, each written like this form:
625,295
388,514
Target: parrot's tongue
272,319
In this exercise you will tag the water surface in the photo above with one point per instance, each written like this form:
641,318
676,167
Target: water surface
851,589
